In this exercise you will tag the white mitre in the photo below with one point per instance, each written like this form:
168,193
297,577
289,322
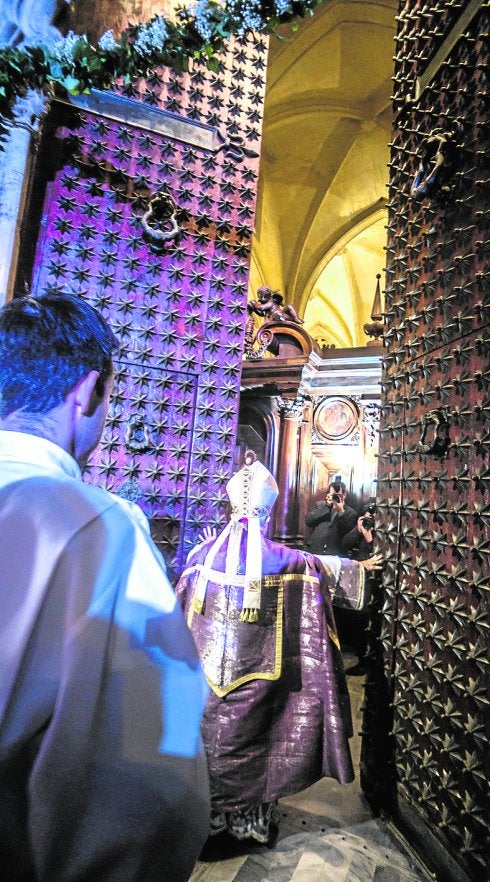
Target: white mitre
252,492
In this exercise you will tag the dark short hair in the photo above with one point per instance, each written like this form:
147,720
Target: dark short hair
47,344
338,485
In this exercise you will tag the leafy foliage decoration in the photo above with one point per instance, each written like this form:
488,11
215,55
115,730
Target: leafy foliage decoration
198,32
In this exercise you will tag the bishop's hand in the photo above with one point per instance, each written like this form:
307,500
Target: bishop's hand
373,564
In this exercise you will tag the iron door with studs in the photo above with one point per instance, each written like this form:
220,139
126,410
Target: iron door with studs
151,222
425,747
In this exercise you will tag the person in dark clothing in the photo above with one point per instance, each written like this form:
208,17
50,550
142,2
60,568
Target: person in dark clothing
357,544
330,521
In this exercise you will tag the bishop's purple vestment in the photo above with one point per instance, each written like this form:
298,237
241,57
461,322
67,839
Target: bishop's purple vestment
278,716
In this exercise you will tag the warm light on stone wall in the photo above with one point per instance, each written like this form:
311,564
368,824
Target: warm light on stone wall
323,170
94,17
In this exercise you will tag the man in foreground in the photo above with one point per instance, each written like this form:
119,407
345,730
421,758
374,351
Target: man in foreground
278,716
102,772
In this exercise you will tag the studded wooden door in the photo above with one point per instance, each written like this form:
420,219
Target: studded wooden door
177,305
425,750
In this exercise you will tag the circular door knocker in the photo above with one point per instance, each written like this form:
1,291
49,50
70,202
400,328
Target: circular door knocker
137,438
159,221
435,433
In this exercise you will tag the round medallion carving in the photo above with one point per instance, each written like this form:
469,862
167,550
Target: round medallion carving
336,418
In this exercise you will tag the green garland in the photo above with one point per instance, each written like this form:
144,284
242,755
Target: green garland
199,31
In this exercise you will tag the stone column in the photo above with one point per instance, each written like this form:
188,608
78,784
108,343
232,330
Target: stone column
286,521
15,169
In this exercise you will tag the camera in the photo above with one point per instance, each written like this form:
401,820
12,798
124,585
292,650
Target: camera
368,519
335,497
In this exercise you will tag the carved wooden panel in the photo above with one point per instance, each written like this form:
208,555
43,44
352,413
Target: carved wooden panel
344,443
177,307
428,696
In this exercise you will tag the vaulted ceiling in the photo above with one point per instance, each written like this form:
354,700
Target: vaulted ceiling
320,220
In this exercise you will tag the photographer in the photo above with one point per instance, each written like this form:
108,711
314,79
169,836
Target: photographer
357,544
330,521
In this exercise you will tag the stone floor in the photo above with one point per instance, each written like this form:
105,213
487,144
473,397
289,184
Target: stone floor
327,833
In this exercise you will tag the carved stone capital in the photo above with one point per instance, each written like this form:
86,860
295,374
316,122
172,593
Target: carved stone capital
28,112
29,22
291,408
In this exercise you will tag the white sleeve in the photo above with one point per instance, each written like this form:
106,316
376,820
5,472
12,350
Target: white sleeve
134,511
120,764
